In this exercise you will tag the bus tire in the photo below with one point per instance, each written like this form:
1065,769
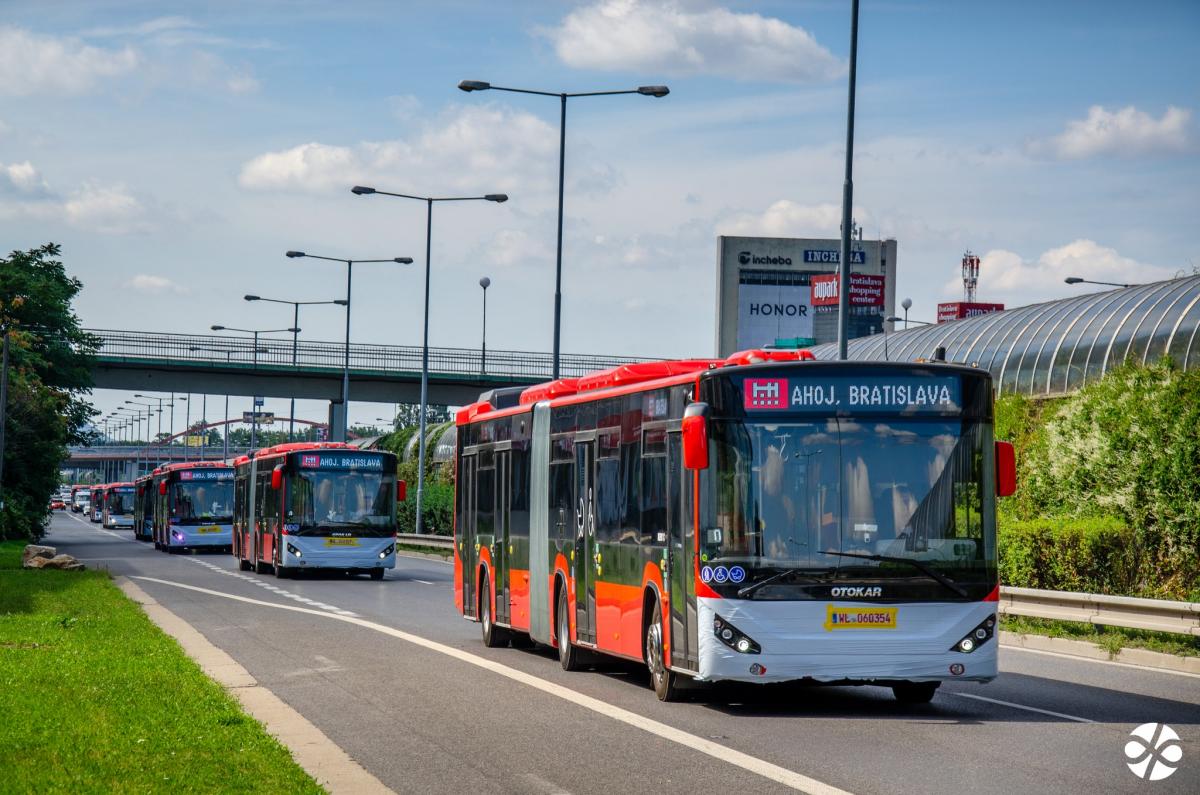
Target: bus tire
262,568
664,681
915,692
244,565
376,574
282,572
569,657
493,636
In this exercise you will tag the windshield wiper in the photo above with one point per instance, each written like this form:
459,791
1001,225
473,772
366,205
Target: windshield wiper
752,587
916,564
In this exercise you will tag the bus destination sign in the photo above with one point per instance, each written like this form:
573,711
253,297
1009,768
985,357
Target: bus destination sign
855,394
315,461
206,474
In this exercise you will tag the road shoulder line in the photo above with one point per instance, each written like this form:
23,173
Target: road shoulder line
1085,650
332,767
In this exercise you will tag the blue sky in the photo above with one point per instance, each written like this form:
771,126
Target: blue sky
176,150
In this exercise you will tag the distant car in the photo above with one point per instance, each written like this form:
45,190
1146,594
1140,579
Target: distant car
58,504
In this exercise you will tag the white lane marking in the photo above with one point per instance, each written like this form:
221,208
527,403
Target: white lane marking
423,582
1101,662
1021,706
272,587
722,753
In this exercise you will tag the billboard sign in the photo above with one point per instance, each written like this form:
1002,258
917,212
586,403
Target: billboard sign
958,310
865,289
768,312
261,417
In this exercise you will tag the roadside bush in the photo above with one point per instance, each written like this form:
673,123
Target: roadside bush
438,514
1127,446
1062,553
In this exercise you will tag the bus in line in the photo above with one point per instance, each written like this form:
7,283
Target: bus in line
79,498
193,506
143,507
95,510
762,518
118,505
316,505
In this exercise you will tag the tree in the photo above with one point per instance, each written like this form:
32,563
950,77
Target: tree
48,375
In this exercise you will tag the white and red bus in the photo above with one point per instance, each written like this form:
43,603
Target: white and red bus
762,518
316,505
193,506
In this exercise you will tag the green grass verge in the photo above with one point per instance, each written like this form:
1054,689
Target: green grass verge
1111,638
439,551
95,698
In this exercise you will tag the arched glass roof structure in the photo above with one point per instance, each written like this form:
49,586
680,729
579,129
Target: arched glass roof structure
1056,347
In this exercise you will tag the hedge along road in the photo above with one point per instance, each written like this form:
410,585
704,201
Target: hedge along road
394,676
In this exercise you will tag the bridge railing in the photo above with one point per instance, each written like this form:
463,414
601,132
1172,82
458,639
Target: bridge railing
276,352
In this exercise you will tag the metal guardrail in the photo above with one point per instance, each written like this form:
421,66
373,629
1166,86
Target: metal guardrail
1159,615
275,353
426,540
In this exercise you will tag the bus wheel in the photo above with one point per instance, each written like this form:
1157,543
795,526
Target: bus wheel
282,572
664,680
376,574
261,568
244,565
568,656
915,692
493,636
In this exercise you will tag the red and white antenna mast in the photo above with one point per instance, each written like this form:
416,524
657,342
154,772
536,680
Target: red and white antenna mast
970,275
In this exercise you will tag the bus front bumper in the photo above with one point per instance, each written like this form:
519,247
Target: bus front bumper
802,640
217,535
310,552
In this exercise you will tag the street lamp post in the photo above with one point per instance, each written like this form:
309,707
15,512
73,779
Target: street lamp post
499,198
894,319
253,405
295,340
485,283
480,85
346,363
1077,280
907,304
228,355
847,196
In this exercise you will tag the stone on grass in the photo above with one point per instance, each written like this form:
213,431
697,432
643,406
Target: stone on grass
36,552
64,562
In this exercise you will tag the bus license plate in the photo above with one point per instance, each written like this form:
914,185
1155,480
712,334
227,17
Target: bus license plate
860,617
341,542
212,528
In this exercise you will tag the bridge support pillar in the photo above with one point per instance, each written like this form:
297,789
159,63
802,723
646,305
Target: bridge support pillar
337,420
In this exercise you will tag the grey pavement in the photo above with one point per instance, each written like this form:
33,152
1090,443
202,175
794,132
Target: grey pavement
422,720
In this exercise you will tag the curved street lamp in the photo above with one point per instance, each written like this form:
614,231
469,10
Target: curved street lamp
481,85
346,303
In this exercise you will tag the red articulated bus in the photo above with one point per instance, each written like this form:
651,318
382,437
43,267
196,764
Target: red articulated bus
762,518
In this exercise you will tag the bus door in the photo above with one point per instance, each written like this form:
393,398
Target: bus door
682,546
468,553
585,542
500,558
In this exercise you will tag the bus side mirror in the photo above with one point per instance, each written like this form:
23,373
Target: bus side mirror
401,491
1006,469
695,442
162,487
277,478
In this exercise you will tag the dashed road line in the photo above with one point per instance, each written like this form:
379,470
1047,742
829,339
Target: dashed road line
1021,706
272,587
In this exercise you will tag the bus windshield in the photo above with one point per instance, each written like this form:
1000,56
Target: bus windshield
359,503
887,500
203,502
120,502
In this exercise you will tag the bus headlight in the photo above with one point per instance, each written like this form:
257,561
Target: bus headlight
734,638
976,637
292,550
389,550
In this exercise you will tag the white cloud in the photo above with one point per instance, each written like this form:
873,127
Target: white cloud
1127,131
22,179
34,64
1006,276
108,209
154,285
677,39
240,83
786,218
476,148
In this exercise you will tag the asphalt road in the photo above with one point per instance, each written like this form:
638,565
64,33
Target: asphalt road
392,674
